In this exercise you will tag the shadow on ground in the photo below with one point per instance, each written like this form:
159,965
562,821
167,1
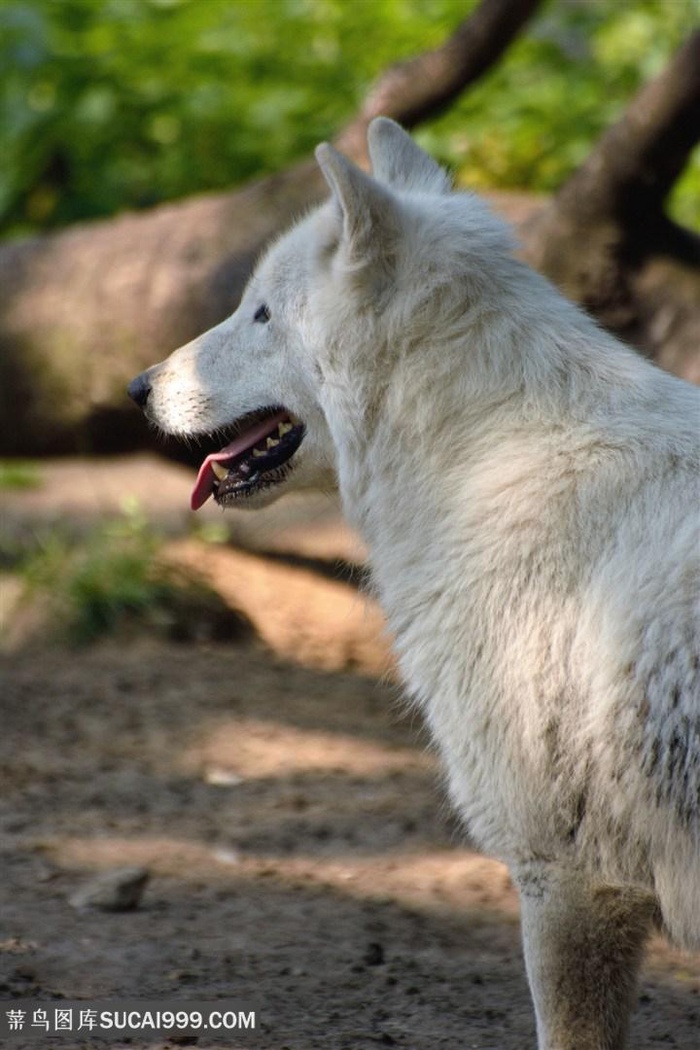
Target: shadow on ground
292,819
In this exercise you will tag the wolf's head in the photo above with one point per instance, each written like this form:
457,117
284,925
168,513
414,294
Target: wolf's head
340,284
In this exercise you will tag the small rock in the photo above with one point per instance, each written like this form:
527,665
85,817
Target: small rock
219,777
225,855
117,890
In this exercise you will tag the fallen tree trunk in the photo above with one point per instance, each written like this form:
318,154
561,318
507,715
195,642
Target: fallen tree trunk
84,310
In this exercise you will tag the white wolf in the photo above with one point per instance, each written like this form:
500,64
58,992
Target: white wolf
528,490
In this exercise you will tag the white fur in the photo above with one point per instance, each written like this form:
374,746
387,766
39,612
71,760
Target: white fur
528,491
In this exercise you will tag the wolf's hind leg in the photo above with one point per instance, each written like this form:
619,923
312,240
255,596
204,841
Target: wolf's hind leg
583,946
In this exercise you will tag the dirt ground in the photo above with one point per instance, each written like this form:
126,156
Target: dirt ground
287,807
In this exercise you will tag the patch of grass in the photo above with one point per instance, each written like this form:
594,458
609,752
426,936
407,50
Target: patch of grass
114,579
18,474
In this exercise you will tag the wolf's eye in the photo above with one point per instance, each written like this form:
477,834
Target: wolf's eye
262,314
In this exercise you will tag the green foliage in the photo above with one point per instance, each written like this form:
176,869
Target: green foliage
112,104
18,474
114,578
90,587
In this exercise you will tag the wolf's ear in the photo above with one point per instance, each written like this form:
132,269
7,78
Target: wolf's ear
369,212
399,162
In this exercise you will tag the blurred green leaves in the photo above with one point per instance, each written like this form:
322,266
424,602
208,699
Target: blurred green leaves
113,104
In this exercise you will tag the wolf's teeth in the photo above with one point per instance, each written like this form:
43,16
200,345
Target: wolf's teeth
272,442
258,452
283,428
219,469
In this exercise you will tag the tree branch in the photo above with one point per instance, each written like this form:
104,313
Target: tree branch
604,237
424,86
634,165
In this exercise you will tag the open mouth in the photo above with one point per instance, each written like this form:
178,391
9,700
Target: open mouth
257,458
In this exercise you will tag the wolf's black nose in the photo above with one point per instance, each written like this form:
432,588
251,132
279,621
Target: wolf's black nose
139,389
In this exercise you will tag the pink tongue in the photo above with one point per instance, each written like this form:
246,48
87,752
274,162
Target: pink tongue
206,479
